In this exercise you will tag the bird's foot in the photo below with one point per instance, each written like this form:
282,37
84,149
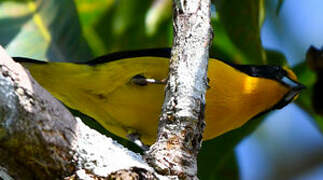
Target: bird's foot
135,138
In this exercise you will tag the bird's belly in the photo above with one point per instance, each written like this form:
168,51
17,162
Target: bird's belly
139,112
137,109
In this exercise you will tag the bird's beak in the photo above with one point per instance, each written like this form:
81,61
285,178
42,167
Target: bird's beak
292,84
295,88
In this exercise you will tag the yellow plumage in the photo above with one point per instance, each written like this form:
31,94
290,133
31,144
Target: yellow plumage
106,93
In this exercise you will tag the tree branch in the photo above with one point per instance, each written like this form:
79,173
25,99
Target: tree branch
182,118
40,139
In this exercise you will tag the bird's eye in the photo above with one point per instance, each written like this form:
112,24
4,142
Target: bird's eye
139,80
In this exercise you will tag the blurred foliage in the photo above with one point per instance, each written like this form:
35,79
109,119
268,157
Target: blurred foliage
216,158
280,3
308,78
82,29
121,25
42,29
242,21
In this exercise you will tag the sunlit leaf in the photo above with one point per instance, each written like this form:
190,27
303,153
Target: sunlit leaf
90,12
122,27
43,30
159,11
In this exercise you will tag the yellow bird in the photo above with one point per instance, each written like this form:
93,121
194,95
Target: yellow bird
116,91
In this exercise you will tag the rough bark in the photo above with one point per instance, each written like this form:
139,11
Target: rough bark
182,118
40,139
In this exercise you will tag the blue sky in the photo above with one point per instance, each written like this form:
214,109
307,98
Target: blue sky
299,25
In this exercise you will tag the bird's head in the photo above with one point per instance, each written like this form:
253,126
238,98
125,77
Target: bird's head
282,75
286,77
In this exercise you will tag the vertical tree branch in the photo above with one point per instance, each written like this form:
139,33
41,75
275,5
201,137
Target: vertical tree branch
182,118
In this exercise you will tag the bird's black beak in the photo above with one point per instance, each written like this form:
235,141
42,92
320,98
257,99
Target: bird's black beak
292,84
295,89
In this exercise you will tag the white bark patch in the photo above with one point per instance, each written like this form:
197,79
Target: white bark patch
102,155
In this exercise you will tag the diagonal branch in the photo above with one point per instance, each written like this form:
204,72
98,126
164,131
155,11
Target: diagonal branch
40,139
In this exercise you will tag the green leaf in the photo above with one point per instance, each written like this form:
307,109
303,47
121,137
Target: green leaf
275,58
242,21
223,47
121,25
226,169
47,30
90,12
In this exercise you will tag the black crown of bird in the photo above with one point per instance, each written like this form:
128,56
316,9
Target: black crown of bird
124,91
